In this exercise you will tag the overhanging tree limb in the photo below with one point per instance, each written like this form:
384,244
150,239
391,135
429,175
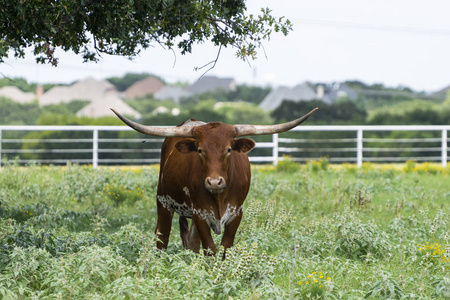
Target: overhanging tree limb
123,27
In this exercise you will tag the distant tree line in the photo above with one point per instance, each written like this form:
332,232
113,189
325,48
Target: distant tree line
416,116
209,109
238,106
23,84
341,112
14,113
124,82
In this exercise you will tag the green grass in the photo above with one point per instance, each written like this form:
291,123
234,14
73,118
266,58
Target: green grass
311,231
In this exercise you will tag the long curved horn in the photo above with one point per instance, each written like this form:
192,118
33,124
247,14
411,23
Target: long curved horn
270,129
181,131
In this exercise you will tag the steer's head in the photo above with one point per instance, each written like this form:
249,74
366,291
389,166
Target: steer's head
214,143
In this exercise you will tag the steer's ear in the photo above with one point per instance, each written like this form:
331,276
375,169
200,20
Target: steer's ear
244,145
186,146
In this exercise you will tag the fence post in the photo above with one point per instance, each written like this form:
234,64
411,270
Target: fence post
444,147
95,149
275,149
1,140
359,147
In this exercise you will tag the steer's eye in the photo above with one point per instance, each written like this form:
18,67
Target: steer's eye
229,150
199,151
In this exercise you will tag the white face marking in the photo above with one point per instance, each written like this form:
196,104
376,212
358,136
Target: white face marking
216,225
173,206
186,191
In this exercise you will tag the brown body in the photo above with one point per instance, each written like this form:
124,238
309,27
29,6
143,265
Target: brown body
183,185
205,176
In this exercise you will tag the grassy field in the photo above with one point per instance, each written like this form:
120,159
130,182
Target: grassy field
309,232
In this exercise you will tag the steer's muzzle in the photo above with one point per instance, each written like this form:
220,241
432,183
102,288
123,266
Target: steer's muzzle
215,185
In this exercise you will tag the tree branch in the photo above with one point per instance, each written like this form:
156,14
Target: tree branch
214,62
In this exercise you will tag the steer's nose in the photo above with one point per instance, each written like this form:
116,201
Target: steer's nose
215,185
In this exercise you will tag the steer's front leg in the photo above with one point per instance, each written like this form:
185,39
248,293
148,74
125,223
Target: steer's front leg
230,232
163,226
205,234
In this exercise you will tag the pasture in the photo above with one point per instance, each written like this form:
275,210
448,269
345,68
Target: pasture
310,231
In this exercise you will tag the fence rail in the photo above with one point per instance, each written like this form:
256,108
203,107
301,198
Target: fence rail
116,145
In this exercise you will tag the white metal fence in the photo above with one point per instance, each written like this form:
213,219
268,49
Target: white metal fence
112,145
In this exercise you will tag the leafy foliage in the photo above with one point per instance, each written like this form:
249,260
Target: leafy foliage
386,288
357,239
13,113
287,165
342,112
62,236
442,287
121,27
23,84
205,110
124,82
251,94
242,112
147,105
417,112
18,114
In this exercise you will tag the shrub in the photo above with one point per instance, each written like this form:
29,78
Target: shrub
442,288
25,272
357,239
434,252
423,168
287,165
87,271
350,168
319,165
119,193
429,168
54,244
385,288
410,166
367,166
314,284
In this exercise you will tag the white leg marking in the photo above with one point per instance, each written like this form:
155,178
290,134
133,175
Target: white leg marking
210,218
173,206
231,213
216,225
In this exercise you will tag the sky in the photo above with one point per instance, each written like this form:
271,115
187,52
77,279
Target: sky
394,42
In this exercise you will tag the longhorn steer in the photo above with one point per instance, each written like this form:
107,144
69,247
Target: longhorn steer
205,176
